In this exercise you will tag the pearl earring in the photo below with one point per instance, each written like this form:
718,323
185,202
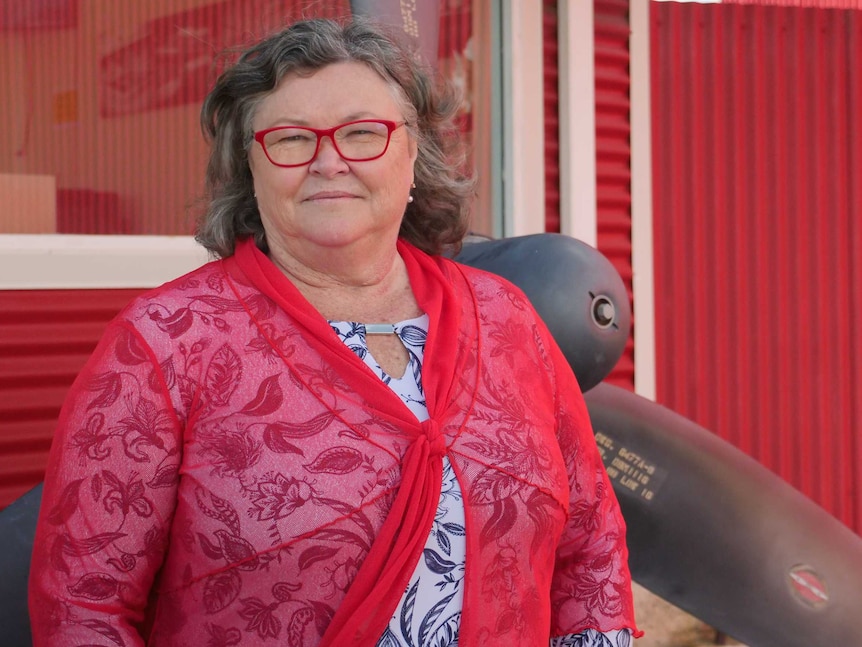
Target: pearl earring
410,196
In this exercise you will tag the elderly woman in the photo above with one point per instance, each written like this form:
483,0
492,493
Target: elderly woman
331,435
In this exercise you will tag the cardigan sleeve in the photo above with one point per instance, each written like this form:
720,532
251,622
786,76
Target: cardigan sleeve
591,586
108,499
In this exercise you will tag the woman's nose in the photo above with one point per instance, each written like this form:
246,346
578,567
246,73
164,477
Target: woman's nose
328,160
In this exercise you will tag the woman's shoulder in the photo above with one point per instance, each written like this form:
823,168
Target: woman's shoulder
206,279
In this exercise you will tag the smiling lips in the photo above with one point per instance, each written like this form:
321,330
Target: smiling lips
329,195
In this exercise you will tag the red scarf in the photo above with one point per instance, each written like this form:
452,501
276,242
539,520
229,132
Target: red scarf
383,577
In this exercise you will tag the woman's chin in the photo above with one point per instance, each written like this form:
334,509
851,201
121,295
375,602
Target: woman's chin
342,235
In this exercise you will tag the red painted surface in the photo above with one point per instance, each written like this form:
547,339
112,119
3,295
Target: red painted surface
551,81
45,338
613,156
758,238
821,4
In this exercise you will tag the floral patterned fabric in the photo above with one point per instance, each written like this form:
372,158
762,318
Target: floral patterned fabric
226,472
429,613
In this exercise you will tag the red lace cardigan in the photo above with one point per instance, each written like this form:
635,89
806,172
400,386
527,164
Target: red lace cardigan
226,472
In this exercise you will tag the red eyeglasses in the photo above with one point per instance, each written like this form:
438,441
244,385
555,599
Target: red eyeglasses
355,141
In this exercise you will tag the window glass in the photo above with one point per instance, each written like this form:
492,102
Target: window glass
99,132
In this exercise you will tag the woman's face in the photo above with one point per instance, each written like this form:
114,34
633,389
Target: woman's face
332,203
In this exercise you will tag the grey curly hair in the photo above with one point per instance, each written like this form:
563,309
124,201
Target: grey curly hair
437,218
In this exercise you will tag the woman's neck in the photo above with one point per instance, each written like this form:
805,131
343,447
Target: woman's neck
352,287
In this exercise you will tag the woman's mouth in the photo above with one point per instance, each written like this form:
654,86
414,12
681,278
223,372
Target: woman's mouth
330,195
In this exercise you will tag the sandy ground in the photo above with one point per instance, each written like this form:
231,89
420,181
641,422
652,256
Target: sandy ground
667,626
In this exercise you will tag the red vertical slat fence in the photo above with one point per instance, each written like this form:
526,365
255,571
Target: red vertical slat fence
758,243
613,156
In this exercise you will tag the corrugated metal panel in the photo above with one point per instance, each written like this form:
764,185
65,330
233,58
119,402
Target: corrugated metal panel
821,4
613,154
758,239
550,71
45,338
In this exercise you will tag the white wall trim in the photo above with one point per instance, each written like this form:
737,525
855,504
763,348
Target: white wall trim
642,216
61,261
577,92
523,119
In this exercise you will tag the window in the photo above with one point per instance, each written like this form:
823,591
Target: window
99,133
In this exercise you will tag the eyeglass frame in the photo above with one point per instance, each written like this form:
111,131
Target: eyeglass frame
320,133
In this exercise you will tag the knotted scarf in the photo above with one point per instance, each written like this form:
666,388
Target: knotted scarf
383,576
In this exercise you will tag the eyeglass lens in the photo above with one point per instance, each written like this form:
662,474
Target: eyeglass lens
358,141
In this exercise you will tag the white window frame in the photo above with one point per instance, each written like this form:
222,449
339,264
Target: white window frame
577,92
522,146
642,215
80,262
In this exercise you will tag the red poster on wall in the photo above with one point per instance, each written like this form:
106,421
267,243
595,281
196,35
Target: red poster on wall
168,66
176,58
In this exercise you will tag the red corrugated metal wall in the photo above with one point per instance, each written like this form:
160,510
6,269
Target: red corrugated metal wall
613,152
45,338
821,4
613,156
551,72
758,240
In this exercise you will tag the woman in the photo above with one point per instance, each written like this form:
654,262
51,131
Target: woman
331,435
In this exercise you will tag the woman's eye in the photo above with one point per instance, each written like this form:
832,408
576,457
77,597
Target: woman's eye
290,138
296,137
361,133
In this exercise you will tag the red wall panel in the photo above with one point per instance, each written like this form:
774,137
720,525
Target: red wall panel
613,156
821,4
45,338
551,81
758,242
